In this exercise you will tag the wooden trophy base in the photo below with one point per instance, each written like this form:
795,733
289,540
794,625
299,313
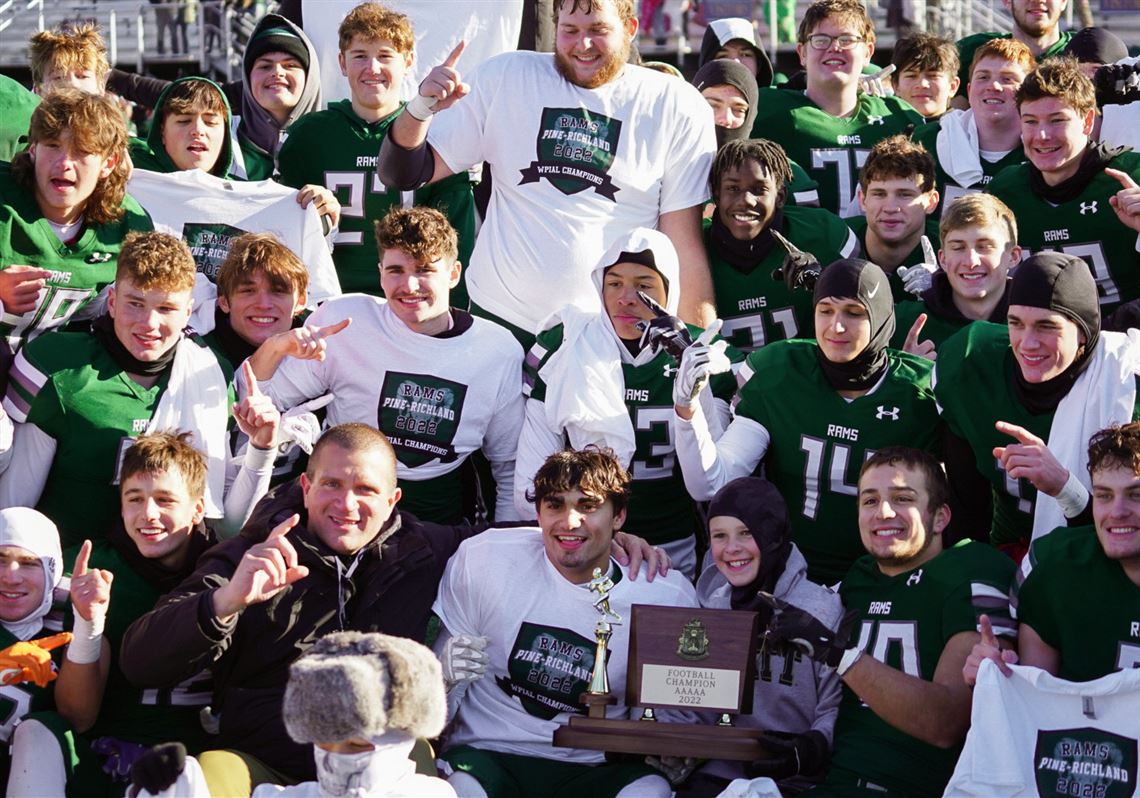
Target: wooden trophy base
597,733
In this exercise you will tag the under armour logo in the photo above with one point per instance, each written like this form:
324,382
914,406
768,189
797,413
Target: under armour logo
669,370
98,257
884,413
914,578
874,119
1088,207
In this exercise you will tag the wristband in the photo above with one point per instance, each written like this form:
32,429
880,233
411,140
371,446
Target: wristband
849,658
1073,498
87,640
421,107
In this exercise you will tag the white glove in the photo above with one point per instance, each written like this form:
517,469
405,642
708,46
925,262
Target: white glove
464,658
878,85
700,361
300,426
920,277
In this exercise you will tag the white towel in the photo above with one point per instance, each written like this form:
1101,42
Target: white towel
1102,396
959,153
196,400
584,384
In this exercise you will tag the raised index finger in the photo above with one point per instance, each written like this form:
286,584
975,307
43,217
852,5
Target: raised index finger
987,630
1021,433
250,379
332,329
453,57
710,332
282,529
81,559
928,255
1124,178
915,329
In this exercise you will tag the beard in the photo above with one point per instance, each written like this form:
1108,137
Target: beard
1037,27
606,71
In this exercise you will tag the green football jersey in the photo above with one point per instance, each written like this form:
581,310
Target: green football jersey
1081,603
977,362
17,700
660,509
819,441
948,188
79,270
1085,226
802,190
337,149
936,329
969,44
906,622
69,386
831,149
132,713
757,309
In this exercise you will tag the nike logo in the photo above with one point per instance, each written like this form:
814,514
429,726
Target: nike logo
871,294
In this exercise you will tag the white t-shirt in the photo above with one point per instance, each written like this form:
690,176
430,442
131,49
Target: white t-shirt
573,169
208,212
500,585
437,399
1034,734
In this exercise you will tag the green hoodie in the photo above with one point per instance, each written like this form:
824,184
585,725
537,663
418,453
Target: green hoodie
151,154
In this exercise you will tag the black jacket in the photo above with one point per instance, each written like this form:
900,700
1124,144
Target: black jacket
391,591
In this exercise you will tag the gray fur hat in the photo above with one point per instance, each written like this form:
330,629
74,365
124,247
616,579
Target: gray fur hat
358,685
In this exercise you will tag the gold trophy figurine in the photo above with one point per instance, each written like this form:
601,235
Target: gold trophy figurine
603,630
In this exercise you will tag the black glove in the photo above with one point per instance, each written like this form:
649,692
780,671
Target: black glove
1124,318
807,633
790,755
1117,84
663,331
800,270
159,768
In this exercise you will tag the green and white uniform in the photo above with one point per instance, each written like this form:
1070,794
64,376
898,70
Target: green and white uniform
80,412
907,620
968,45
337,149
832,150
79,270
812,441
1080,603
1085,226
660,509
858,225
18,104
757,309
950,189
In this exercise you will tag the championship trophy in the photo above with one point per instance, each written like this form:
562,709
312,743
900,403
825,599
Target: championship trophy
599,695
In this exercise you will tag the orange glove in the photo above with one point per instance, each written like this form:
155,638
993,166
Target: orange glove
30,661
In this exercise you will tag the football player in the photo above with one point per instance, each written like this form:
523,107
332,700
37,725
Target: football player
750,183
337,148
190,130
905,710
830,127
74,56
926,73
972,146
836,398
1062,195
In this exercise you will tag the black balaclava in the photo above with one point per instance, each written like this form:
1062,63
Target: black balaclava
722,72
735,29
1096,46
760,506
863,281
1062,284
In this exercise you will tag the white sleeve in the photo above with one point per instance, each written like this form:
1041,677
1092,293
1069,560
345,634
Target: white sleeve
537,442
501,441
32,453
247,481
7,432
685,180
708,465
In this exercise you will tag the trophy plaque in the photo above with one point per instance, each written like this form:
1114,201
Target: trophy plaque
680,658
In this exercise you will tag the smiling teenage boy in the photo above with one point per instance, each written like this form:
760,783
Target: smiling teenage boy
337,147
1061,195
65,213
437,381
830,127
750,181
80,398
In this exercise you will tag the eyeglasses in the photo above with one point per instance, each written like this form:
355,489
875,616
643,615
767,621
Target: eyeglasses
821,41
